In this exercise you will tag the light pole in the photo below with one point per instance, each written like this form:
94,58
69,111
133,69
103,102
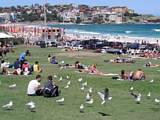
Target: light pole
45,14
45,19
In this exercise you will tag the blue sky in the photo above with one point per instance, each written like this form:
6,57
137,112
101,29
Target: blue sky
140,6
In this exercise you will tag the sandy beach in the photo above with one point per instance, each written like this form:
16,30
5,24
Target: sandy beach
112,38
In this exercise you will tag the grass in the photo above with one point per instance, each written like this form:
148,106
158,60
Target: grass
122,106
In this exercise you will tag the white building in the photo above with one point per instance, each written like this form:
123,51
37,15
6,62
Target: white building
4,17
115,18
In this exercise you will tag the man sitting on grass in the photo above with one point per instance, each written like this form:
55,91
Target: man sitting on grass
34,88
50,89
138,75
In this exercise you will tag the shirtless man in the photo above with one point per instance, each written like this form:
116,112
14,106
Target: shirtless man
138,75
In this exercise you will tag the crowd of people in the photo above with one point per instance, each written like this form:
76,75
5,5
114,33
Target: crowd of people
20,66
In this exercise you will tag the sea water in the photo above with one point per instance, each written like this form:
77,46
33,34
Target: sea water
132,30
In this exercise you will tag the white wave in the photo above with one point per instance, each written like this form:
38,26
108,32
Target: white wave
156,30
128,32
81,32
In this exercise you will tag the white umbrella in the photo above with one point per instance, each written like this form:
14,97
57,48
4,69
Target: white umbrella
4,35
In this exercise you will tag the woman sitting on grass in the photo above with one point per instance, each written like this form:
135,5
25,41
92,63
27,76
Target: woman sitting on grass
36,67
125,75
53,60
26,68
78,65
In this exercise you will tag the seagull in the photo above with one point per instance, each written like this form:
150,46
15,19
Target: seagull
31,106
84,84
131,88
8,106
60,79
151,81
12,86
80,79
67,77
55,76
81,108
90,90
157,100
67,86
60,101
62,62
69,82
88,97
103,97
82,88
90,102
149,94
137,97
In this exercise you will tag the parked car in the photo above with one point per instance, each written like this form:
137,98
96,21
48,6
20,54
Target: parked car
51,44
104,49
78,47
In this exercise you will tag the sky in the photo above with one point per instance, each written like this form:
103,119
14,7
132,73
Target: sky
139,6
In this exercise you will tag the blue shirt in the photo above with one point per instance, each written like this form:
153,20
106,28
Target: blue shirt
49,85
22,56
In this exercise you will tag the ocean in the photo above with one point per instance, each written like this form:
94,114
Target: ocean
131,30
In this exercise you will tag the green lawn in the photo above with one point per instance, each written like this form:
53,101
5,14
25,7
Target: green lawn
121,107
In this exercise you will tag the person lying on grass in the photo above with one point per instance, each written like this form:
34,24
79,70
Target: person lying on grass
137,75
92,69
149,64
34,87
120,60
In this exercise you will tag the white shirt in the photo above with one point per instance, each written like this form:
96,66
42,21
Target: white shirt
5,65
32,87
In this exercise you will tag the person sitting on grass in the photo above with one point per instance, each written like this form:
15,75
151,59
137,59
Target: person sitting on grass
4,71
23,55
78,65
34,87
5,64
49,58
16,64
53,60
26,68
36,67
138,75
50,89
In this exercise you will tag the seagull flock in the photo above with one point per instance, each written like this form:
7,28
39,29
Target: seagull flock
137,97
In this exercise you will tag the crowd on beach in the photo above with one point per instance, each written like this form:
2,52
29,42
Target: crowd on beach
111,38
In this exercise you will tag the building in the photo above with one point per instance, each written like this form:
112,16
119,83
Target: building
115,18
119,9
4,17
